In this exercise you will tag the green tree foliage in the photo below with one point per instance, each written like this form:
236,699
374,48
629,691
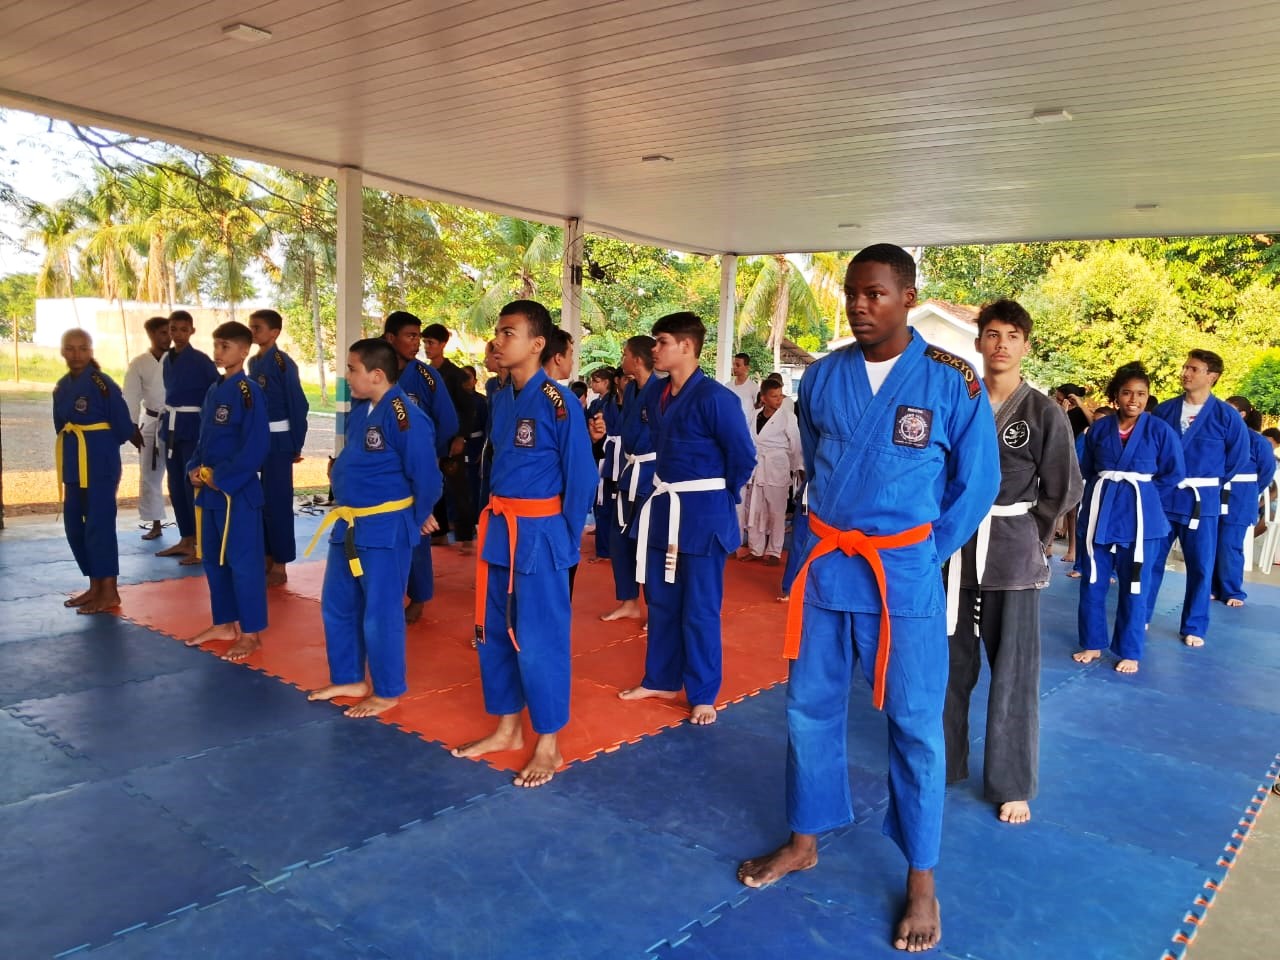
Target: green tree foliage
1261,383
975,274
18,305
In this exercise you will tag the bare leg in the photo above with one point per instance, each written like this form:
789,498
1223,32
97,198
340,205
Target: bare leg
413,612
277,575
1070,522
1015,811
508,735
702,714
360,689
219,631
1086,656
800,852
184,547
643,693
243,648
921,925
107,597
543,764
1127,666
626,610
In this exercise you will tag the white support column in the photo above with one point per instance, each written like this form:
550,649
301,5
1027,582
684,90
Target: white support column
726,334
350,287
571,287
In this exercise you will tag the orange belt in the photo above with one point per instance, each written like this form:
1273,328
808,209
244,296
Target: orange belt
515,508
853,543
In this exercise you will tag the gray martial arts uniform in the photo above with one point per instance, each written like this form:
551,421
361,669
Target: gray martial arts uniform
1040,480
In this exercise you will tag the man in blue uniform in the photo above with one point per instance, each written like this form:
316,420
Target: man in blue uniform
188,374
473,451
530,533
1242,509
92,421
385,481
900,451
233,443
276,375
1215,447
455,506
689,525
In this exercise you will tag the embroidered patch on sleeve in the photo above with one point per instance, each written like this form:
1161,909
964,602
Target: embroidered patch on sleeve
972,382
246,394
557,401
401,412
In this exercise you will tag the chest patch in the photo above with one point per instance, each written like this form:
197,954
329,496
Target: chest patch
912,427
1016,435
526,432
374,441
82,404
644,414
262,380
222,413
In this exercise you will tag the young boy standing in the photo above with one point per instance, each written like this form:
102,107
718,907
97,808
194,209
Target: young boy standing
223,471
779,465
277,376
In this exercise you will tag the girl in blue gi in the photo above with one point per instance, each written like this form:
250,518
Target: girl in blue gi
689,525
1129,462
223,470
276,375
1242,509
385,482
92,421
530,532
605,410
900,451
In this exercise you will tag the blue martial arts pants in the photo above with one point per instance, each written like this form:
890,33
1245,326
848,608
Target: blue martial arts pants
606,518
622,556
818,794
1228,566
1199,548
799,533
89,518
277,507
537,675
1129,635
364,617
182,495
422,584
683,649
237,588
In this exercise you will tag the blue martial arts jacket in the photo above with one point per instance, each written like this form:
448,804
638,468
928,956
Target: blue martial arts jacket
1242,506
637,439
276,375
93,397
1215,445
234,440
389,454
1153,447
541,449
923,449
701,434
423,386
187,378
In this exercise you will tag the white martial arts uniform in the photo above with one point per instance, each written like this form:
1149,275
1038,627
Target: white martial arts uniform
144,394
778,459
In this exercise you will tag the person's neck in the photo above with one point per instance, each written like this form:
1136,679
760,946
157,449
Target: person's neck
522,374
680,376
402,361
767,413
179,349
888,348
1000,386
1196,397
740,380
1125,425
264,347
642,378
231,369
377,392
157,352
438,362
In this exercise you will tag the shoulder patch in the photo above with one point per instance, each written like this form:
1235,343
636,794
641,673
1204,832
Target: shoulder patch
99,383
428,374
246,394
971,379
401,412
557,401
280,361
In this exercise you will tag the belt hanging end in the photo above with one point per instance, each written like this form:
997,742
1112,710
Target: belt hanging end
1135,581
479,633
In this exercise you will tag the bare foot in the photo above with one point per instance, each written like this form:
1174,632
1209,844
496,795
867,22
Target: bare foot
106,600
219,631
1127,666
503,738
542,766
413,612
644,693
749,557
597,559
190,560
784,598
80,599
278,575
1191,640
467,547
1086,656
180,549
921,925
371,706
244,647
772,561
1015,811
1068,558
702,714
1074,574
153,533
360,689
626,610
1234,602
741,553
798,853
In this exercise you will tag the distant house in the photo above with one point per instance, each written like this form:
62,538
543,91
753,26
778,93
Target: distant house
950,326
794,361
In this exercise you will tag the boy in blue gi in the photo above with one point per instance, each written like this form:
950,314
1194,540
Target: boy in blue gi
385,482
424,388
474,448
900,452
1242,509
689,525
277,376
530,533
92,421
188,374
233,443
1215,447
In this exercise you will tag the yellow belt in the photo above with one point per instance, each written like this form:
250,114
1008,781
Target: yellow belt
350,514
79,429
206,474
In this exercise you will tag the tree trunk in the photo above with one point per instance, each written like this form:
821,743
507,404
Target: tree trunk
310,267
124,329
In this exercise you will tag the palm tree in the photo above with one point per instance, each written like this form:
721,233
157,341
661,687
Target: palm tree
780,293
826,277
162,203
232,231
110,236
56,227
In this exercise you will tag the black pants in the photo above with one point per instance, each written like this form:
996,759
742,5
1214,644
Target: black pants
1009,627
455,502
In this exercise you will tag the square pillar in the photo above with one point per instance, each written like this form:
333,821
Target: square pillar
726,334
571,287
350,287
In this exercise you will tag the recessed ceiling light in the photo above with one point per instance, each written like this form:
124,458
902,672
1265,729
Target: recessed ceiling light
1051,115
245,33
1146,207
657,158
848,226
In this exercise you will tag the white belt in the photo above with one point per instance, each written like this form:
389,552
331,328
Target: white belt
1019,509
173,420
279,426
633,488
673,490
1194,484
476,435
612,442
1226,488
1133,479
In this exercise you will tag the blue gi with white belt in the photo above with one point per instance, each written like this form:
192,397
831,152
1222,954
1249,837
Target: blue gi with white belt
187,377
541,450
389,456
921,450
687,529
1215,447
605,508
1122,525
424,387
277,376
92,421
233,443
1242,513
635,483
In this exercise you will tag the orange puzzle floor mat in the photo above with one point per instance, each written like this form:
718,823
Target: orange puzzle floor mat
444,704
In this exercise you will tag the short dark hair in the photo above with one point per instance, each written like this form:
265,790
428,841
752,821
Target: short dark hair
604,373
892,256
468,370
182,315
235,331
1007,311
155,323
1272,433
1075,390
1209,359
1129,372
558,342
641,348
376,354
535,314
579,389
436,331
274,320
744,357
770,384
683,326
396,321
